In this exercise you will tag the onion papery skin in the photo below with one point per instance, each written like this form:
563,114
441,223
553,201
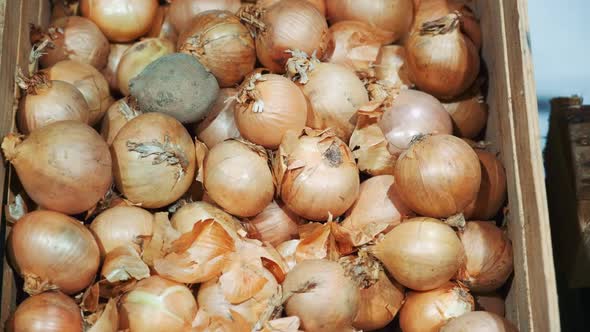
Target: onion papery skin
49,103
121,20
319,4
492,191
291,25
479,321
394,17
156,304
64,166
469,114
47,312
154,160
421,253
46,248
390,66
321,295
275,224
379,304
89,81
118,114
222,44
413,113
182,12
284,108
137,57
110,70
219,124
439,176
187,216
429,311
288,250
162,26
77,38
488,252
120,226
335,94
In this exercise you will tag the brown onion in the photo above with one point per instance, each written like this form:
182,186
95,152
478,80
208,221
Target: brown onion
157,304
319,4
379,304
268,106
53,251
378,209
222,44
47,312
421,253
64,166
390,66
316,175
275,224
139,56
469,114
110,71
89,81
321,295
286,25
219,124
413,113
488,253
188,215
394,17
121,20
439,176
75,38
154,160
162,26
492,191
490,302
182,12
120,226
118,114
47,102
429,311
237,177
479,321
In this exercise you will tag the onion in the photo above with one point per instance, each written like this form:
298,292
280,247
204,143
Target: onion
219,124
469,114
120,226
268,106
53,251
321,295
110,71
390,66
137,57
237,177
64,166
394,17
47,312
222,44
75,38
187,216
413,113
479,321
429,311
488,252
118,114
275,224
448,178
316,175
407,252
121,20
89,81
162,26
492,191
154,160
157,304
182,12
47,102
491,302
319,4
287,25
377,209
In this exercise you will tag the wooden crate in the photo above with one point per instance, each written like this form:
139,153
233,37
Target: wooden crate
512,129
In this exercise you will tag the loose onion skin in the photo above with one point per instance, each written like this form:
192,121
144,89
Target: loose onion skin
46,247
121,20
110,71
488,261
64,166
219,124
154,160
222,44
394,17
251,186
47,312
421,253
271,106
187,216
479,321
156,304
76,38
492,191
321,295
275,224
182,12
469,114
120,226
390,66
429,311
448,179
118,114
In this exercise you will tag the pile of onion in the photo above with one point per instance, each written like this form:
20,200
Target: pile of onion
118,114
492,191
182,12
219,124
275,224
110,70
47,312
469,114
479,321
390,66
